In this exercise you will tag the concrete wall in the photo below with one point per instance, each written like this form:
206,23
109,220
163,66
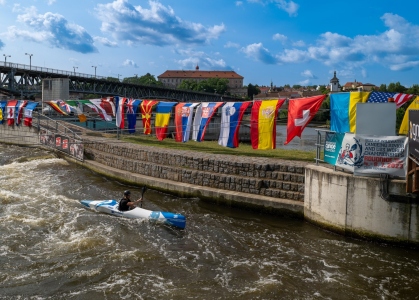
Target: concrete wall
353,206
20,135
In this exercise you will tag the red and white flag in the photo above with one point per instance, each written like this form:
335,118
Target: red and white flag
99,109
120,113
10,110
300,112
401,99
19,110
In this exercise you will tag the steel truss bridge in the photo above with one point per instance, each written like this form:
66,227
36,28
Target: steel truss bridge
20,80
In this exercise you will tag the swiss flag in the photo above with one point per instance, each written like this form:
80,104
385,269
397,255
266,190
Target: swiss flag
10,111
300,112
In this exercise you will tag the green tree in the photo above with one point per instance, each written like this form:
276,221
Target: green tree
414,89
382,88
146,79
188,84
296,86
396,88
213,85
112,79
252,90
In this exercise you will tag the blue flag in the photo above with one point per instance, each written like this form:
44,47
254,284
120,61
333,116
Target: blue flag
132,107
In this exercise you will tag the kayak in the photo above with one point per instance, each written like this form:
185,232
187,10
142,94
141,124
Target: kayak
111,207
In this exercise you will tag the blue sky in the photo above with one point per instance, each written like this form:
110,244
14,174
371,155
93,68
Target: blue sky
286,42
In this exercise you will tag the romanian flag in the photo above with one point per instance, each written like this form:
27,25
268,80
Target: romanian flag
300,112
263,123
146,107
231,117
161,122
28,113
203,116
343,110
404,127
2,111
183,121
11,107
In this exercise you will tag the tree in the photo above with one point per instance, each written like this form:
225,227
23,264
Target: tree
188,84
414,89
146,79
252,90
112,79
382,88
396,88
296,86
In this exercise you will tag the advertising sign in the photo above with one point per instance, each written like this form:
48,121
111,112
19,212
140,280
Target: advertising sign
414,133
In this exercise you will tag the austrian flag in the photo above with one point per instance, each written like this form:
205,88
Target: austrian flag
300,112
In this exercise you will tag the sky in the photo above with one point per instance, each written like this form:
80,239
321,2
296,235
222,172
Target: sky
266,41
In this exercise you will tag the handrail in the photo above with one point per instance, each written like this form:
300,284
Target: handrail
59,127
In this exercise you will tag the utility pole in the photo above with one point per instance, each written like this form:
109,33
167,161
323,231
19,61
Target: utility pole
30,60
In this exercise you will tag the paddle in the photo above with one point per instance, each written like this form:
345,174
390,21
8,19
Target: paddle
142,194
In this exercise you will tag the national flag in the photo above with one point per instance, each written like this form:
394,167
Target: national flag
382,97
77,107
343,110
58,107
263,123
108,105
300,112
11,107
161,122
231,117
27,121
120,111
203,116
132,107
146,107
3,105
404,127
183,121
19,111
99,109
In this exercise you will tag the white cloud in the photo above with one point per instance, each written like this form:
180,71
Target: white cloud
299,43
289,6
279,37
239,3
105,41
308,74
305,82
157,25
51,2
258,52
129,63
2,2
231,45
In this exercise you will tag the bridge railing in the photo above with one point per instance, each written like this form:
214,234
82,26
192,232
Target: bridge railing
48,70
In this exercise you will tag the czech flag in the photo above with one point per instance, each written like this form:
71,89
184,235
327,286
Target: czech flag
203,116
27,121
263,123
183,121
231,117
161,123
11,107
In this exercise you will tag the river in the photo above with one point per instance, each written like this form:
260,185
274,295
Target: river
54,248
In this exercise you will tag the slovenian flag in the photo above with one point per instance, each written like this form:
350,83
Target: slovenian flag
231,117
120,111
11,107
27,121
19,110
161,122
132,107
146,107
2,111
203,116
263,123
183,121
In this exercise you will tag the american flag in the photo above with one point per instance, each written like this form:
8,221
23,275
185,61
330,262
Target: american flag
381,97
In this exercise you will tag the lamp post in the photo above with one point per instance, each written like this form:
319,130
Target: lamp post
94,85
75,70
5,58
118,76
30,60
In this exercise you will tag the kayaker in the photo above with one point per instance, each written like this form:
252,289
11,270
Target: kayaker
126,204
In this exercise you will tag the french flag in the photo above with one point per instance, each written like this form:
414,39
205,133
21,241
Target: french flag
231,117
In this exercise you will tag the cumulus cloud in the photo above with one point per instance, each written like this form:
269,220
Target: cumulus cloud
129,63
397,48
231,45
288,6
205,61
279,37
104,41
258,52
52,29
156,25
308,74
299,43
51,2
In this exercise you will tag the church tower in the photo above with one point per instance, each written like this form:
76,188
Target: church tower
334,84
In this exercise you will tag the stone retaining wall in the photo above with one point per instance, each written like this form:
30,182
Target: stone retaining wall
258,176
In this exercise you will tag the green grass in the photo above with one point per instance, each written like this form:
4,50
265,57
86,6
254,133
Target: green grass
214,148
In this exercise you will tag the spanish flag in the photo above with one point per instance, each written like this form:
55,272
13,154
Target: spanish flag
161,123
146,107
263,123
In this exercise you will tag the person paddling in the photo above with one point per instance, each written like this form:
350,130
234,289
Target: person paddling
126,203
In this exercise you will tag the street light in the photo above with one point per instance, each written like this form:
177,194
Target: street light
5,57
118,76
75,70
30,60
95,69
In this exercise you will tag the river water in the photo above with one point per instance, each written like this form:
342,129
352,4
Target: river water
53,248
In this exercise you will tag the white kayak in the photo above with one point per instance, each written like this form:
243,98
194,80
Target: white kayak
111,207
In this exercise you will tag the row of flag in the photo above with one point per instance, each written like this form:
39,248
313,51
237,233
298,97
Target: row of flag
13,111
262,121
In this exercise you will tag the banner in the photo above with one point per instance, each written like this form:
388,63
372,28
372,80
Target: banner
413,132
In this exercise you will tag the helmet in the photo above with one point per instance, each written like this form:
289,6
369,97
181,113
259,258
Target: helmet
126,193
